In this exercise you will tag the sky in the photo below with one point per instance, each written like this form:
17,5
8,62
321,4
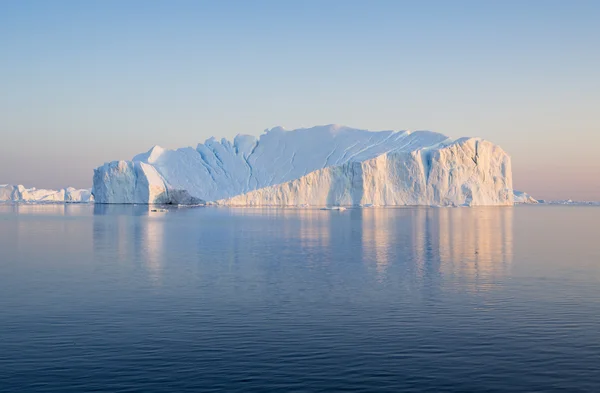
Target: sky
86,82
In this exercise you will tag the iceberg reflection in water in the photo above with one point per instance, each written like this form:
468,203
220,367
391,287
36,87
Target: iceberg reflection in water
110,298
471,245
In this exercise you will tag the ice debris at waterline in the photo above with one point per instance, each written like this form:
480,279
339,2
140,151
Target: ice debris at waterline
319,166
10,193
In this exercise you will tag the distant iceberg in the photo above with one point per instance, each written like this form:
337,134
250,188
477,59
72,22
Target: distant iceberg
523,197
18,193
320,166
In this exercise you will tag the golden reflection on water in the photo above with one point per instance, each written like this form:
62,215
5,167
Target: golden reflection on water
421,234
378,237
315,227
136,232
476,244
152,237
49,209
473,246
311,225
470,245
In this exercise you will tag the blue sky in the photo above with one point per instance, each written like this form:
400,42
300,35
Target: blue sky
84,82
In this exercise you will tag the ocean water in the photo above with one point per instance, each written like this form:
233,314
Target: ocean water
121,299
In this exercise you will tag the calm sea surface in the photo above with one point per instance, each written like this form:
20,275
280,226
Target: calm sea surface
120,299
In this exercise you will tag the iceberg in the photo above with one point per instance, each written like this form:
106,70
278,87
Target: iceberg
138,182
523,197
18,193
570,202
319,166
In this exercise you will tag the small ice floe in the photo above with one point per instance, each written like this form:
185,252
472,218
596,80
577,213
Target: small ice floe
158,210
340,208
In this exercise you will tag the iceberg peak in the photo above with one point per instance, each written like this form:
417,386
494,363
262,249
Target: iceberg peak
151,156
275,129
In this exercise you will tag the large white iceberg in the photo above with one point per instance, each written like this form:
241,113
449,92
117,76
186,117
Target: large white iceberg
18,193
326,165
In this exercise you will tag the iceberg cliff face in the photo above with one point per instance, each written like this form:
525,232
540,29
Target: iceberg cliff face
328,165
466,172
135,182
10,193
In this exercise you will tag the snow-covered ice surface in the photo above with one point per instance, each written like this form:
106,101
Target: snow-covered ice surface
320,166
11,193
